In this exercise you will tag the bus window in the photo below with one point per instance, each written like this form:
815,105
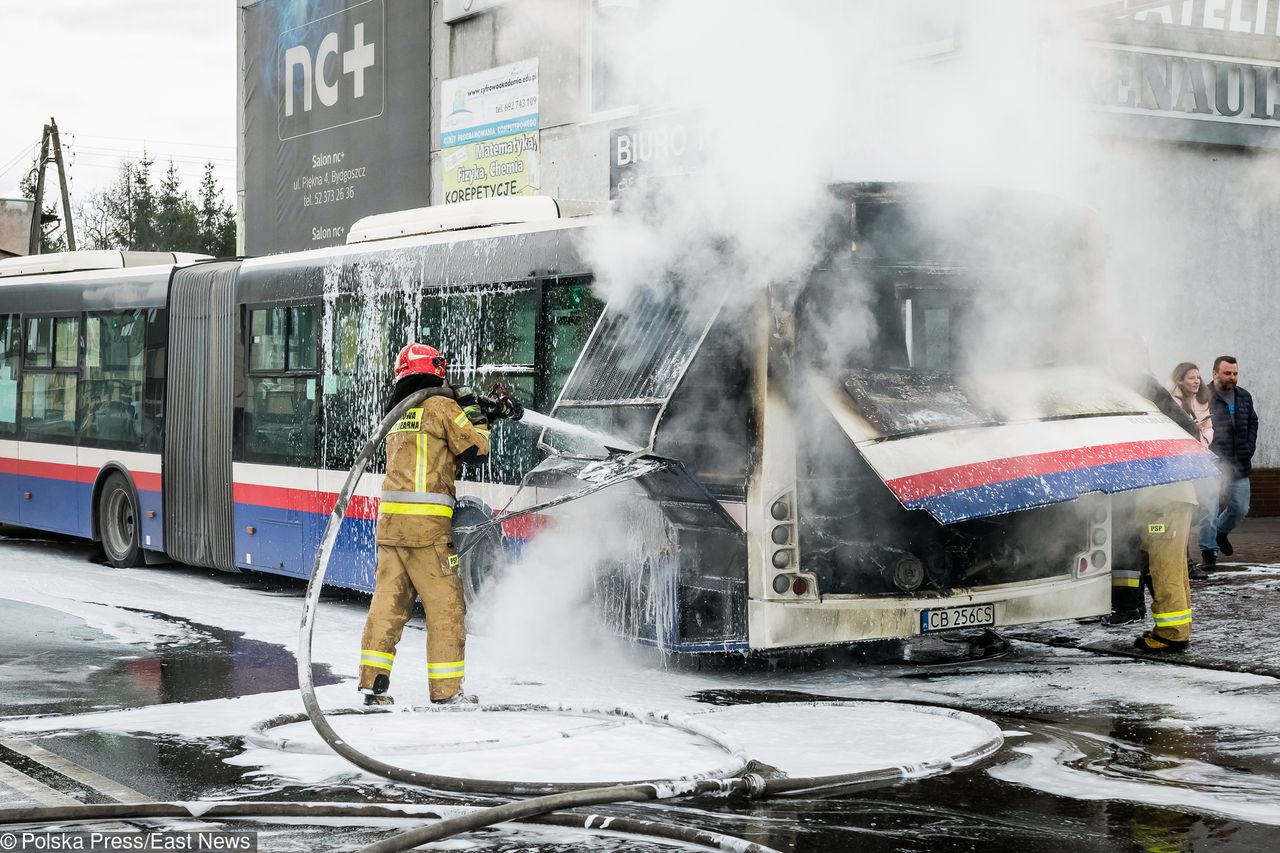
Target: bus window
570,312
303,335
508,334
39,342
49,406
10,358
66,341
50,375
153,392
932,319
268,329
114,375
450,322
283,404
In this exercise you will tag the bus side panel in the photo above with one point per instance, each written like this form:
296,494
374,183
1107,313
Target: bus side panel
274,505
151,505
355,556
59,490
10,491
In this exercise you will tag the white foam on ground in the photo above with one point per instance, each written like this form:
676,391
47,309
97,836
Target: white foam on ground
800,738
1180,784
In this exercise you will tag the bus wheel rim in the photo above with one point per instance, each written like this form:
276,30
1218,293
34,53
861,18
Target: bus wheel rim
118,534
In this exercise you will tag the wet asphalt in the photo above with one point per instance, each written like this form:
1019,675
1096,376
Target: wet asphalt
964,810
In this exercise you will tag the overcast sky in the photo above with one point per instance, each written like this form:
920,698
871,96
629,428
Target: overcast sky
118,75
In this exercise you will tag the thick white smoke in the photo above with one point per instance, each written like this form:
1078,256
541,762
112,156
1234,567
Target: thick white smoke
545,609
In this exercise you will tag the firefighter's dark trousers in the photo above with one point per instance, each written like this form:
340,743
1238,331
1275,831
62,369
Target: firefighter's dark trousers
430,573
1164,538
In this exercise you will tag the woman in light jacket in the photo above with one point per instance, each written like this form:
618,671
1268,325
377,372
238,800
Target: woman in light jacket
1192,394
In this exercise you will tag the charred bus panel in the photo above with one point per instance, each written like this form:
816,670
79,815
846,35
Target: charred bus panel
844,472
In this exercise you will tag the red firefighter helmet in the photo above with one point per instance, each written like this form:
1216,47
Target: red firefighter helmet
419,358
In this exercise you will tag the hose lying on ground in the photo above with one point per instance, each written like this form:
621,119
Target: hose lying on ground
45,815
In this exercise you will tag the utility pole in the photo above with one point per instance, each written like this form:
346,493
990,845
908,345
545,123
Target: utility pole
67,224
49,138
37,226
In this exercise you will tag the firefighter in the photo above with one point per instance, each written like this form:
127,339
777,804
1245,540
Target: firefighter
1164,522
415,528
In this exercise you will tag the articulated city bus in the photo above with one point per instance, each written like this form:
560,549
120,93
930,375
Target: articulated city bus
206,412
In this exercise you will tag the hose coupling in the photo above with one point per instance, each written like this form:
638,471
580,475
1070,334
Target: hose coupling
755,785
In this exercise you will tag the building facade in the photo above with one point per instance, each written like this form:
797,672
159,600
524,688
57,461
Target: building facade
463,99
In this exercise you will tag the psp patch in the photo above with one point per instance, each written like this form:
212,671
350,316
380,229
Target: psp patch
1156,529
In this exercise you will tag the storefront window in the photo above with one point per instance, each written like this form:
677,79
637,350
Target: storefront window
615,55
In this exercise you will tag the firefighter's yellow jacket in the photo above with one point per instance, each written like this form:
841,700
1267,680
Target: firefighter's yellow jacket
423,450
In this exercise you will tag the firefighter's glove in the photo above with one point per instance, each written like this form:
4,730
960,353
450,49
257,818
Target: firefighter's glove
502,408
475,414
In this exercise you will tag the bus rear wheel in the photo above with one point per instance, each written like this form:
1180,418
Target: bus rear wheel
118,523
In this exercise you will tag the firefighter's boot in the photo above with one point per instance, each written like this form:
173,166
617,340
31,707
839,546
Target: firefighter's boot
1149,642
377,694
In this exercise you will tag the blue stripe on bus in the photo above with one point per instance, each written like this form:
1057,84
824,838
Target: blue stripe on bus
1042,490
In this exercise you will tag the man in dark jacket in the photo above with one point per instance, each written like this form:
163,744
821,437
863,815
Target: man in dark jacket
1235,437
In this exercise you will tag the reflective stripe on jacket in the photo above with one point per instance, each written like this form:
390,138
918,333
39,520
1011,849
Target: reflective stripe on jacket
422,459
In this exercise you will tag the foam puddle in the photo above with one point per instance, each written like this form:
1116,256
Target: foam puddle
1057,766
565,747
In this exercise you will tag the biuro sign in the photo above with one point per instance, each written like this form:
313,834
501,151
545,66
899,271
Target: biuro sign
1195,87
331,70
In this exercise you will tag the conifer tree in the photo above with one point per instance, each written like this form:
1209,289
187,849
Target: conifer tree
177,228
217,221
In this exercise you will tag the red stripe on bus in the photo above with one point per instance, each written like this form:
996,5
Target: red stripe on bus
144,480
940,482
302,500
527,526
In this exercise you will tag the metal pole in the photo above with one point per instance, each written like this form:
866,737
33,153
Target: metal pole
66,191
37,227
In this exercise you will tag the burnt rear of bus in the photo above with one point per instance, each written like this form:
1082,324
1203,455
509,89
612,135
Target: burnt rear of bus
908,438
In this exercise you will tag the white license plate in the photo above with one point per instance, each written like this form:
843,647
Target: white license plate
950,618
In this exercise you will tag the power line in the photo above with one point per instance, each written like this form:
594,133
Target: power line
18,158
145,142
154,155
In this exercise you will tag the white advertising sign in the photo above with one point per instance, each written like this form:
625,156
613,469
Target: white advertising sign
500,101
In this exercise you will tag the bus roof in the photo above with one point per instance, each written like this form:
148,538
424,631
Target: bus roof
97,259
469,214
